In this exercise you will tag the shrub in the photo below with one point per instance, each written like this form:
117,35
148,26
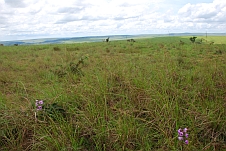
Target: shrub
56,49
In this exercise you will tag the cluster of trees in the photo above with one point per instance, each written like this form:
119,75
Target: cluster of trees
193,40
14,44
131,40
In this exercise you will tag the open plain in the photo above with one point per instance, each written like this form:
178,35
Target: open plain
119,95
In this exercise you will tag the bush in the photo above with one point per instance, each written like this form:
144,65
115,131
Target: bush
56,49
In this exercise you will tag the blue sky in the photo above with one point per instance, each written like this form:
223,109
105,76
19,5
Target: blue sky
31,19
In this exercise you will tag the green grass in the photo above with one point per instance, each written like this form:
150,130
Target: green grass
114,96
208,39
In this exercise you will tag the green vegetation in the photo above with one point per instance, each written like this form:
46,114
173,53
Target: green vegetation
114,96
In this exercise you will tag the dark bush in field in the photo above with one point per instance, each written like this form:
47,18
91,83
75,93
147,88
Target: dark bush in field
56,49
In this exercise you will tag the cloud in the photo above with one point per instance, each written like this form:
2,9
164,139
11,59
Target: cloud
204,12
100,17
101,10
3,20
15,3
76,18
69,10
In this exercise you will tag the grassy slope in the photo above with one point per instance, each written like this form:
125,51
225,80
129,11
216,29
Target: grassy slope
123,97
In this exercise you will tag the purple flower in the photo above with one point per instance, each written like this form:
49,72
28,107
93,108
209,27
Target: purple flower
182,134
180,138
186,135
38,104
39,108
186,141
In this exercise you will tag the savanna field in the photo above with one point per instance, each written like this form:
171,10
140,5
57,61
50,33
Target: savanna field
159,94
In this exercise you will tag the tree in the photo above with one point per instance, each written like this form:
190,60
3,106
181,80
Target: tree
192,39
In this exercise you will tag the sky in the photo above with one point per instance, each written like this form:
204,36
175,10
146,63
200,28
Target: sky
33,19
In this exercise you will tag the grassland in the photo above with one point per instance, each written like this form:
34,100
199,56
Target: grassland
114,96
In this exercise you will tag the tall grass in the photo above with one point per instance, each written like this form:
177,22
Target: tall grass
113,96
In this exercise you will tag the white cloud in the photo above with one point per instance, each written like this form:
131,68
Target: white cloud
204,11
56,18
204,16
